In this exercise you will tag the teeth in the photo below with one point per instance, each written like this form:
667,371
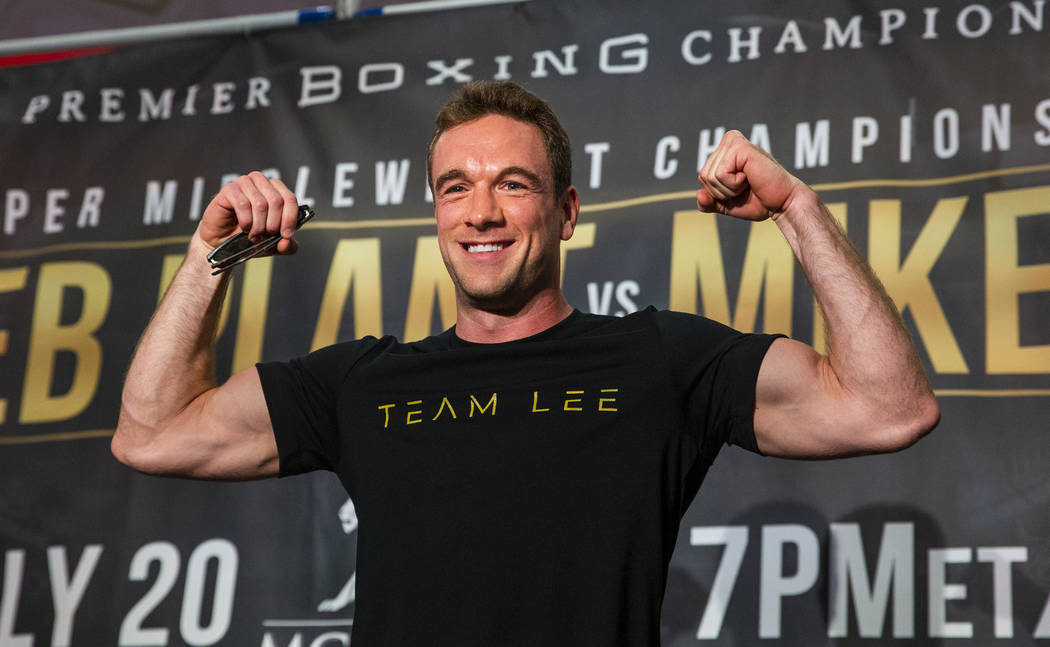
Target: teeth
487,247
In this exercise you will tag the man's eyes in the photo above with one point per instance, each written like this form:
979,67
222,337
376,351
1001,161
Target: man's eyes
509,185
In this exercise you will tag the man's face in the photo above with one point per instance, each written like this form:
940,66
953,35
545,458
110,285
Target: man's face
499,223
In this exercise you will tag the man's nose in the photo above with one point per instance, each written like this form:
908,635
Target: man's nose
485,210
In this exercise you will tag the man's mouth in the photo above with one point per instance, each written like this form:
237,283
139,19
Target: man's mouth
476,248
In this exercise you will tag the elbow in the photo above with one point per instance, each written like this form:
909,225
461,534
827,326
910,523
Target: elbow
129,429
116,447
121,446
920,420
129,443
927,418
134,455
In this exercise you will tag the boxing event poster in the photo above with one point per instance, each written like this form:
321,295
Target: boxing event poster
924,128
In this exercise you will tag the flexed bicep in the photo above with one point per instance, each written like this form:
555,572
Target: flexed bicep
224,433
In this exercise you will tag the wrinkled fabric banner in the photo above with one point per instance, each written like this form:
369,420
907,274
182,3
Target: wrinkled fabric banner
925,129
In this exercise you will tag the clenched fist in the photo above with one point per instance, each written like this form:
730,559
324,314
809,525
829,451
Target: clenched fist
256,205
742,180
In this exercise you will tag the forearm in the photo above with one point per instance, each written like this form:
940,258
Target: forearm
870,353
174,361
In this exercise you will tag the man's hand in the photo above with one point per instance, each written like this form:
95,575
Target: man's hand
254,204
744,181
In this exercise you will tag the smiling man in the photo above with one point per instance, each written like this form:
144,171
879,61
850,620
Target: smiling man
519,479
501,215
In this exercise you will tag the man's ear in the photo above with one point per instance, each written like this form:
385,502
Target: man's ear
569,207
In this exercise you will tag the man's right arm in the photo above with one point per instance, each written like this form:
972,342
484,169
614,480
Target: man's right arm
174,420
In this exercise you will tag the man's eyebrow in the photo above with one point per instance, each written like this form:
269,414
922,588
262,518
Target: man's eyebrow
459,174
448,176
524,172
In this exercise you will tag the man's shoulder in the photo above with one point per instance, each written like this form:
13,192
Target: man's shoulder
580,324
668,321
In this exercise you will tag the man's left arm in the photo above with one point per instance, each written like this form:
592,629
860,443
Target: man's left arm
869,393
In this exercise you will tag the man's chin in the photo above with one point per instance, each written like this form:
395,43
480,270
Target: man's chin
498,299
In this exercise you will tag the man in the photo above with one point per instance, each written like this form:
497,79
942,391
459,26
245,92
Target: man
520,478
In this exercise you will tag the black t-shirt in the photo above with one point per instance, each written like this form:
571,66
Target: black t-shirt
522,493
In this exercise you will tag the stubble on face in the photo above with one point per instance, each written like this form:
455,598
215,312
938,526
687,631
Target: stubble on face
494,192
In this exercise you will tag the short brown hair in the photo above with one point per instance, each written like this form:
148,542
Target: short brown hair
480,98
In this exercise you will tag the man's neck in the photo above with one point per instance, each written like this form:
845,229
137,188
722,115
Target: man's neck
483,326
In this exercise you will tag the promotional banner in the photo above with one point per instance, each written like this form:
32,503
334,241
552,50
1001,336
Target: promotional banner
925,129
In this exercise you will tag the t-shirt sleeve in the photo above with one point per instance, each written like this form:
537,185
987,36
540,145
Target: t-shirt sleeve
302,397
716,369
